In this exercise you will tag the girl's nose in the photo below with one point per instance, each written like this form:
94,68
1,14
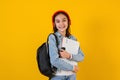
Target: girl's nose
61,23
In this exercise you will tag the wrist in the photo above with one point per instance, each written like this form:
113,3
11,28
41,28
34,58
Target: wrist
70,56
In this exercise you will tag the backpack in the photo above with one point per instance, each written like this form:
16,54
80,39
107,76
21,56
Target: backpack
43,59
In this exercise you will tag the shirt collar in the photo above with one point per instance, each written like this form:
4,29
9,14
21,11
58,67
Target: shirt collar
60,35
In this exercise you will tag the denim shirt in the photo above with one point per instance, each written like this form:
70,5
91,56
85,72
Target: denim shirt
54,56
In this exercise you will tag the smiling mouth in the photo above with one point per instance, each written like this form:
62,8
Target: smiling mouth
62,27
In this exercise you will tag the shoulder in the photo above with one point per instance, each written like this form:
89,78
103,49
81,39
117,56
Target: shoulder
51,36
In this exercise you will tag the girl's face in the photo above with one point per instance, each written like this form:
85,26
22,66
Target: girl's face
61,22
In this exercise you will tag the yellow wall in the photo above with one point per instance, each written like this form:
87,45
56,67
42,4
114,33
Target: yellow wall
25,24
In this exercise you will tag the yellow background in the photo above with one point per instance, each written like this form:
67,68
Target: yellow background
25,24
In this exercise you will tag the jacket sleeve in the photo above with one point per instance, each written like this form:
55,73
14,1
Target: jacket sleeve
54,56
78,57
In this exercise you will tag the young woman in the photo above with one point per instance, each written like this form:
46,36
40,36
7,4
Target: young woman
61,26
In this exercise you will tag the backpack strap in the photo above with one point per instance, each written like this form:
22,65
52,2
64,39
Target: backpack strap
55,39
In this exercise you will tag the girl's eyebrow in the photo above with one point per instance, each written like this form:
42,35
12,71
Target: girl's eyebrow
64,18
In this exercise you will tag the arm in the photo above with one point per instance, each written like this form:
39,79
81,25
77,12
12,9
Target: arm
78,57
54,57
74,57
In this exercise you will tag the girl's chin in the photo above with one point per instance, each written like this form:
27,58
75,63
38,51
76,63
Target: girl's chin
62,30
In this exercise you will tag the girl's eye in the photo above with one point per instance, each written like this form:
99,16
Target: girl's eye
64,20
57,21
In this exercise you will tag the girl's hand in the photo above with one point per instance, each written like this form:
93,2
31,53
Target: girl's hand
64,54
75,69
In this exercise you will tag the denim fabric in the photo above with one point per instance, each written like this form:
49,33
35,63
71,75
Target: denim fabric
54,56
70,77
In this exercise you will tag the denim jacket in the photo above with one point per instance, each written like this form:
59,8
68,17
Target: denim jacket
54,56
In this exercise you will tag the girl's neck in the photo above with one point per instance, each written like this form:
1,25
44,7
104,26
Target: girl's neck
63,33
